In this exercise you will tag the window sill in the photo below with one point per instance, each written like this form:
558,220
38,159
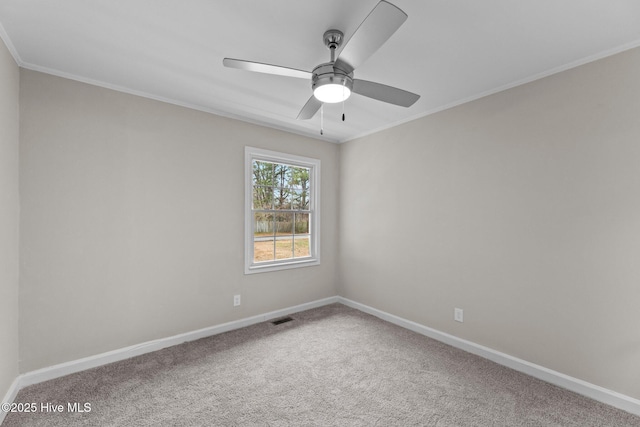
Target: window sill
284,265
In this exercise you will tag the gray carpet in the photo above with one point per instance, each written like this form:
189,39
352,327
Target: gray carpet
331,366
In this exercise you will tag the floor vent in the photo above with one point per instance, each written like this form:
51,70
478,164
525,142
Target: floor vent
282,320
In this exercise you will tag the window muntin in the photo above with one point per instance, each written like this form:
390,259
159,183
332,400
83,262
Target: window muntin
281,225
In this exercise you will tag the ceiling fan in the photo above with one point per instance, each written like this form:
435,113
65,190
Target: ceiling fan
333,81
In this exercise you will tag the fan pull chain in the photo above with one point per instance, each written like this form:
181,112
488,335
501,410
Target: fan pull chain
343,99
322,119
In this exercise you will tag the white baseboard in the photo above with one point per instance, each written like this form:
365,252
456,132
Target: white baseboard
85,363
576,385
10,396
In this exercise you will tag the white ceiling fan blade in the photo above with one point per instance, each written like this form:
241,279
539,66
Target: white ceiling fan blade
310,108
385,93
376,29
266,68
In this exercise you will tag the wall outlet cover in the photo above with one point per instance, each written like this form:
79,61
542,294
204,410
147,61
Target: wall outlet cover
458,315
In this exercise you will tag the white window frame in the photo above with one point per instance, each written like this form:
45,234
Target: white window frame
251,154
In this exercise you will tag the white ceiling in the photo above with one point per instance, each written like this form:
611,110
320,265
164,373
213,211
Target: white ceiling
449,51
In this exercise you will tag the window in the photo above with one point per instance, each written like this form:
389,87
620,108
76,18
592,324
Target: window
282,199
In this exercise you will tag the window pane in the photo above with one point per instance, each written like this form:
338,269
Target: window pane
302,236
284,247
302,223
284,223
263,173
282,198
264,224
282,175
302,245
300,178
300,200
262,197
263,249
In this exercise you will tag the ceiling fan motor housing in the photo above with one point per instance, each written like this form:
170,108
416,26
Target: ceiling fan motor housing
325,74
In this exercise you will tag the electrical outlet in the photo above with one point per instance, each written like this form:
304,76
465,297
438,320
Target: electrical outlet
458,315
236,300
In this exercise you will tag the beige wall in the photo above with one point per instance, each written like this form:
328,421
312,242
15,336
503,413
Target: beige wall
9,218
522,208
132,221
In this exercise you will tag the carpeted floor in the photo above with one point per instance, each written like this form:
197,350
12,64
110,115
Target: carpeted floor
330,366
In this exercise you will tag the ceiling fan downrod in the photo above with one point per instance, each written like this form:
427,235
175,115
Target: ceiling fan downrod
333,40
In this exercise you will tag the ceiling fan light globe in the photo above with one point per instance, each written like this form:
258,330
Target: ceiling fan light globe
332,93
